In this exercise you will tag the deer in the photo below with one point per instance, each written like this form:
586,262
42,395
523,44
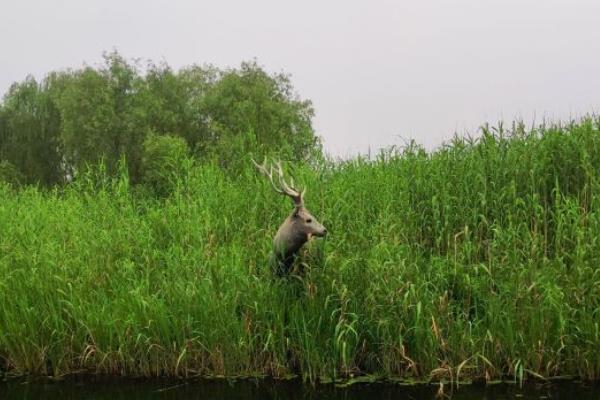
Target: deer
297,229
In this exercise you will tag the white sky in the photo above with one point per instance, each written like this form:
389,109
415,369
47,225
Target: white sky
377,71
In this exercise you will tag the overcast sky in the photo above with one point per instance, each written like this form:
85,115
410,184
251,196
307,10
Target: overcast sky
377,71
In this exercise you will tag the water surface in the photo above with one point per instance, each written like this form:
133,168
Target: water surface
255,390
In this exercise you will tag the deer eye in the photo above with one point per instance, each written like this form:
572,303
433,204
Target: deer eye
308,221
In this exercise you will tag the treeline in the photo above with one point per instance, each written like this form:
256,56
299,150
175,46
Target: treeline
151,116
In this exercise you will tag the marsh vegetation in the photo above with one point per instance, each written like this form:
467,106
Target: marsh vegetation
477,260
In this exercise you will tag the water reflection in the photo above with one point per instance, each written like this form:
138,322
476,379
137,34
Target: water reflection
249,390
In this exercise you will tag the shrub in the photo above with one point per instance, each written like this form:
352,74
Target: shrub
10,174
164,161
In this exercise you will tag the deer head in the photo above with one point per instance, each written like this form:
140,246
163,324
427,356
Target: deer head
299,227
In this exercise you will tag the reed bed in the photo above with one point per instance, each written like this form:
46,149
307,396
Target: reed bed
477,260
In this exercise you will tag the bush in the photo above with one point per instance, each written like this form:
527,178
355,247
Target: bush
10,174
164,163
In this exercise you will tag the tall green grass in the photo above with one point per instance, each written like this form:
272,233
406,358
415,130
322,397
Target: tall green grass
480,259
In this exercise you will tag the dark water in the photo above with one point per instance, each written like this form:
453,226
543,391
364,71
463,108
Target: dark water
248,390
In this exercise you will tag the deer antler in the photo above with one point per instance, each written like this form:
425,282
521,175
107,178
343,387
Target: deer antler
283,188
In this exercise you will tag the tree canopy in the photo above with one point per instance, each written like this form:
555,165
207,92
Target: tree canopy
52,130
